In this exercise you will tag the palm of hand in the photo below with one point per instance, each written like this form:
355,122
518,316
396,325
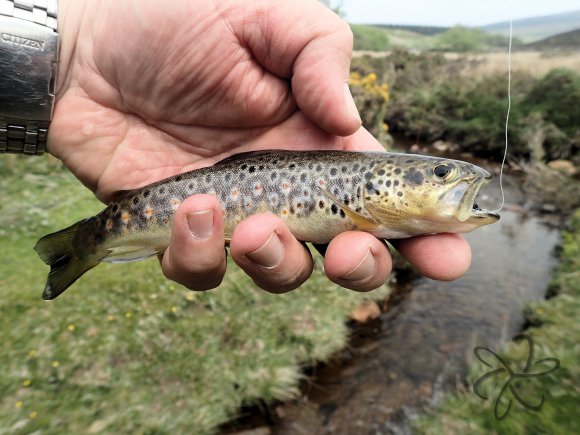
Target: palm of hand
156,96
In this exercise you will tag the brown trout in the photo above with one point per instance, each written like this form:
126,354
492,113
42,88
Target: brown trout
319,194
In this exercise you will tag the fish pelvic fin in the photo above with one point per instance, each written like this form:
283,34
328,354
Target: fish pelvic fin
66,265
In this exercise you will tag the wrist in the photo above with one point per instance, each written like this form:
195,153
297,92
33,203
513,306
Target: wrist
70,13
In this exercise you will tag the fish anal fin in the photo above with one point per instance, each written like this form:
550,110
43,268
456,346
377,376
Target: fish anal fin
127,254
361,222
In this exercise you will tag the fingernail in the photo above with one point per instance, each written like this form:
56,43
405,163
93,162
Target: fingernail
200,224
270,254
363,269
350,104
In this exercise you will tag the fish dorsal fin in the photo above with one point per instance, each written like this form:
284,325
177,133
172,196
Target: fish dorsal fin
119,195
245,155
361,222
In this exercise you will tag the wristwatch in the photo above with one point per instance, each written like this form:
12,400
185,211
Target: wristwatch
28,66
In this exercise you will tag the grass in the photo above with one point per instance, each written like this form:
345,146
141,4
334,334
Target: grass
555,330
125,350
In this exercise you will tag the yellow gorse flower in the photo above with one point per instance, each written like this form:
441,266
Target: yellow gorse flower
370,85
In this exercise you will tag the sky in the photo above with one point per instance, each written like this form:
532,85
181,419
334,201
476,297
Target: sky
449,12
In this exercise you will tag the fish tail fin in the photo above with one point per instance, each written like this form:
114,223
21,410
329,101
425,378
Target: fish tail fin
66,265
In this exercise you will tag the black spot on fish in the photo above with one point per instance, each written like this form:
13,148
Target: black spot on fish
321,204
303,177
333,171
344,169
370,185
178,178
291,166
355,167
241,176
190,186
244,167
334,209
136,200
115,208
390,162
319,168
261,167
358,209
368,198
381,181
368,175
161,190
252,169
399,193
146,193
415,177
336,191
228,177
396,183
398,171
291,210
305,192
273,176
342,215
409,161
382,172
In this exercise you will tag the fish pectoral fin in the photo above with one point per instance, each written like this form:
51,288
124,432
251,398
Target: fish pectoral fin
126,254
361,222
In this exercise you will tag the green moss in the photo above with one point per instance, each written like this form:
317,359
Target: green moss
555,333
126,351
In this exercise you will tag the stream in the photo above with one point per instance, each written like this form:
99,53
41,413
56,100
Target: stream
421,346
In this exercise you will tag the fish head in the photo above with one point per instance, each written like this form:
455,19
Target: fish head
411,195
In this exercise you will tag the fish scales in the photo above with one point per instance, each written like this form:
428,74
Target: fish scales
292,187
318,194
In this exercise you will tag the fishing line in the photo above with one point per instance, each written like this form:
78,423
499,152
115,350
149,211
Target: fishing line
507,118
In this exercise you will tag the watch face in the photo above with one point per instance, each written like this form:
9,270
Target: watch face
28,50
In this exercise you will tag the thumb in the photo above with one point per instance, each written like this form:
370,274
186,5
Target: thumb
320,82
307,42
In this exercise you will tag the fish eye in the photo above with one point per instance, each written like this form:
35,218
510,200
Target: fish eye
442,171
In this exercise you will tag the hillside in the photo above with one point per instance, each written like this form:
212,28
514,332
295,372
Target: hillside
537,28
567,40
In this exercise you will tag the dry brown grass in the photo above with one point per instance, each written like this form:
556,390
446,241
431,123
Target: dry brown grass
536,63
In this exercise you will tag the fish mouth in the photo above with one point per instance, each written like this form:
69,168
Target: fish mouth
470,211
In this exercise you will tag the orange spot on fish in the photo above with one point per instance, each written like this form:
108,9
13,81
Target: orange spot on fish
322,182
148,212
125,217
109,224
284,212
286,186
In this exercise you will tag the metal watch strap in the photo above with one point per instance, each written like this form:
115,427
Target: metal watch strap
26,103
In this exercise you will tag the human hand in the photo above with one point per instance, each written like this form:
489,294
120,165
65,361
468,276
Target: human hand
147,90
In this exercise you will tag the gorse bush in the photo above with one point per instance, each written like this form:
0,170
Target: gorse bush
432,98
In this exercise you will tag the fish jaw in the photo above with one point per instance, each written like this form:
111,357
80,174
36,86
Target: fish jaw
470,212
